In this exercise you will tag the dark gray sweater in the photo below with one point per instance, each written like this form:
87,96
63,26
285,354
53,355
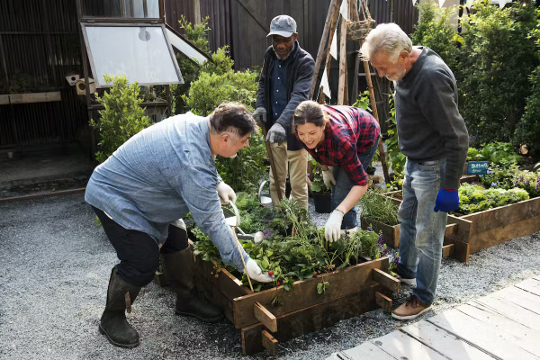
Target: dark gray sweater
428,120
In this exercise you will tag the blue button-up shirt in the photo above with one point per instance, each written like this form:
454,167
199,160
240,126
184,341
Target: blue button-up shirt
158,176
278,88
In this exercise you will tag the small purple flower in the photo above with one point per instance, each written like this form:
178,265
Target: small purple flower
490,171
396,260
369,228
493,185
380,241
267,233
527,183
521,179
384,252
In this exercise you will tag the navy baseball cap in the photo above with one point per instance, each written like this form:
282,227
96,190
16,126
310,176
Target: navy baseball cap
282,25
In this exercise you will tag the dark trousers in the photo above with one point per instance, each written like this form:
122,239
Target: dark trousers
139,252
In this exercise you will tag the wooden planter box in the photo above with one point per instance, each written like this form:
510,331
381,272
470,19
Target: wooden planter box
471,233
352,291
391,233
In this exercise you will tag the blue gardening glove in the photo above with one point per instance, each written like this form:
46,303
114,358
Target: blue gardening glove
260,116
276,134
447,200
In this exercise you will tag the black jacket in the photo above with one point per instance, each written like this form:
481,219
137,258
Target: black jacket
299,78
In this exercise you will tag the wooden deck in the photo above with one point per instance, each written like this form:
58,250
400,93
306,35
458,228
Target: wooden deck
504,325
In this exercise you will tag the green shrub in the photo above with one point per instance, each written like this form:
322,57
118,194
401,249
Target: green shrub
474,198
528,130
528,181
496,59
497,153
122,118
435,31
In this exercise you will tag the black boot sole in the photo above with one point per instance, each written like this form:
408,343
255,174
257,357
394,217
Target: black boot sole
126,346
206,320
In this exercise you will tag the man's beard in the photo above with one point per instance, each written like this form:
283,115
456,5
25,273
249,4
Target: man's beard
400,75
284,57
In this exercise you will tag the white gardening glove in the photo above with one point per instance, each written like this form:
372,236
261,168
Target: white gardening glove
333,226
328,177
226,193
254,271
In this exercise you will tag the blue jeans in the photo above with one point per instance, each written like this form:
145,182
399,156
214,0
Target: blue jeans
344,185
422,229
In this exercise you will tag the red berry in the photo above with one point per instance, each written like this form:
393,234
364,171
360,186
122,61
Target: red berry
270,273
217,276
314,274
278,283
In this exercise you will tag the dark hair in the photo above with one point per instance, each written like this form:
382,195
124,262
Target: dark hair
234,118
311,112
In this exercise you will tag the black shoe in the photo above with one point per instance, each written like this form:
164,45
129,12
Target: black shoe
178,268
114,324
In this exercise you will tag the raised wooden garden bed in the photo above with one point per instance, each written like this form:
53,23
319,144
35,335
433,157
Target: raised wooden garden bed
351,292
471,233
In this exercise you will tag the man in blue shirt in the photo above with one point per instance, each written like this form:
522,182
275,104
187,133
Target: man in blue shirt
284,83
140,192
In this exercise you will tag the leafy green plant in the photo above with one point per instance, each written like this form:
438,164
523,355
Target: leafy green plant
435,30
317,185
529,181
499,177
497,153
475,198
528,130
376,206
122,117
302,253
498,54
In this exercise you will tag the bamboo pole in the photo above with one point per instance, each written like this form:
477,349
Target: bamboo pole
382,154
326,39
241,257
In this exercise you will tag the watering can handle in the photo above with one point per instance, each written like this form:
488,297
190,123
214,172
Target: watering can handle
261,189
236,212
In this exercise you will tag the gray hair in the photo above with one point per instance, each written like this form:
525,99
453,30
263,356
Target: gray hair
388,38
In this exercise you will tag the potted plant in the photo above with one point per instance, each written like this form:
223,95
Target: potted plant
320,192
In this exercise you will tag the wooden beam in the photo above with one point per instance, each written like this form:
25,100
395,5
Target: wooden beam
4,99
386,280
265,317
342,61
269,342
326,41
448,250
196,10
35,97
383,301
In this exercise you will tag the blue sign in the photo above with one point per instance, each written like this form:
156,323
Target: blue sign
478,167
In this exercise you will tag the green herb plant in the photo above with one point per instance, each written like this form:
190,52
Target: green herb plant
376,206
317,185
497,153
475,198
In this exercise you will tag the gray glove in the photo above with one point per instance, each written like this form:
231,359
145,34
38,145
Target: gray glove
277,134
260,116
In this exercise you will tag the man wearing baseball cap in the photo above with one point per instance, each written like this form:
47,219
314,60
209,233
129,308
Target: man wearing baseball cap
284,83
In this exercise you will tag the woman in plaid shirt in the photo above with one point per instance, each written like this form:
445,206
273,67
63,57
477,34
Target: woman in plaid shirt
343,140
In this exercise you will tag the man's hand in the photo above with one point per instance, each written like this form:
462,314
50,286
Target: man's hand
328,177
260,116
447,200
276,134
254,271
333,226
226,193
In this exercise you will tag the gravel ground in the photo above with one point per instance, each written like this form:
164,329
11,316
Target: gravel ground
55,264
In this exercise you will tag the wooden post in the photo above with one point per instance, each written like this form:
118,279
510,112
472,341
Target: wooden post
328,33
382,154
196,10
342,61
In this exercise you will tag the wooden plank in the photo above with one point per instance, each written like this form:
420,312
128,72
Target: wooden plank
443,342
521,298
461,250
304,293
524,337
265,317
448,250
269,342
229,285
342,81
510,310
313,318
4,99
536,278
214,296
504,233
390,234
367,351
464,229
35,97
494,341
401,345
386,280
383,301
504,215
530,285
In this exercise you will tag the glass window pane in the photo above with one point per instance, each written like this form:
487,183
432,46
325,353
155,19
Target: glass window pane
138,9
140,53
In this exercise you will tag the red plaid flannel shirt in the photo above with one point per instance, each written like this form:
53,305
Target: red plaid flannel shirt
351,132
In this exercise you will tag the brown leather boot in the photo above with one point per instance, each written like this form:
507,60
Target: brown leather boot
178,268
411,309
114,325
